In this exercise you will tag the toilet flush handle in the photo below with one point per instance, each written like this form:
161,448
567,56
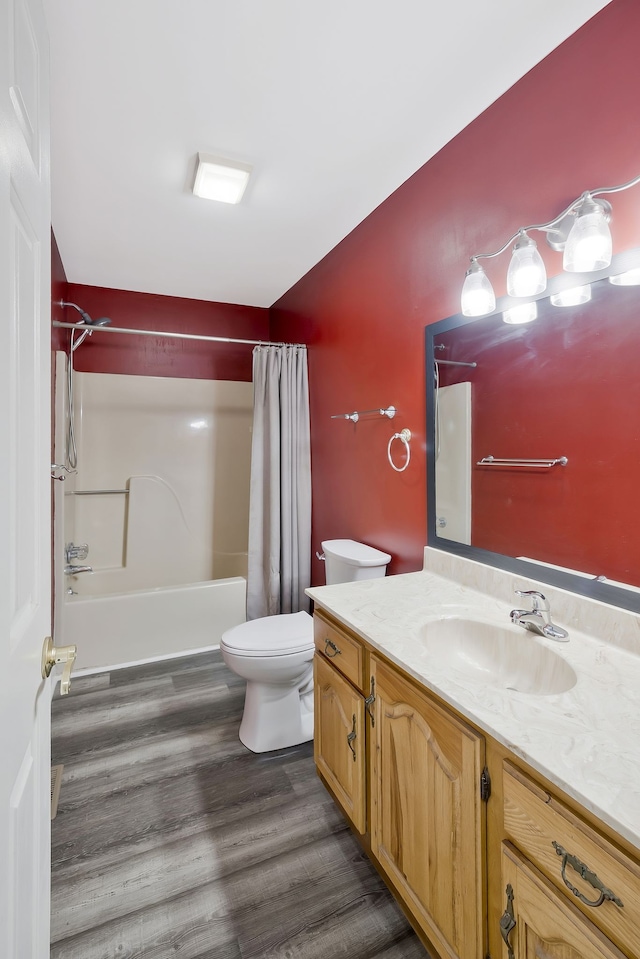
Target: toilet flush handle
320,556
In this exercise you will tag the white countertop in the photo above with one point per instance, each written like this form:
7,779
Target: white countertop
585,740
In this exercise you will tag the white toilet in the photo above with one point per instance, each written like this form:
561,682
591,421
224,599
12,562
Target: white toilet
275,656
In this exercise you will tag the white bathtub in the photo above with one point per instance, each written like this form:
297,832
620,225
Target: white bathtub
123,628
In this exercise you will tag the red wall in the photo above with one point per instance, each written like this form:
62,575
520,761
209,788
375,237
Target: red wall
152,356
568,125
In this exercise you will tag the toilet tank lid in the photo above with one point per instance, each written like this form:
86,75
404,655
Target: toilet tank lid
357,554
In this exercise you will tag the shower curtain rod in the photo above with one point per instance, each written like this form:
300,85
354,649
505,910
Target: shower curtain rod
180,336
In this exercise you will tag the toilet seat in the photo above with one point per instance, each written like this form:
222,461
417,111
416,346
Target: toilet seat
279,635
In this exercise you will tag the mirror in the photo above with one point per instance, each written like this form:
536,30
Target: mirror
562,391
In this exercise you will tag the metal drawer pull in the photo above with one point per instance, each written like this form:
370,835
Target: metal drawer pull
370,700
351,737
508,921
588,876
329,645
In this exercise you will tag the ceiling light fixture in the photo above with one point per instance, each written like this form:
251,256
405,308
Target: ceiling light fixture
581,231
218,179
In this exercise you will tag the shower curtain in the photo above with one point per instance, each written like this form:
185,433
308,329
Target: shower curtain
279,567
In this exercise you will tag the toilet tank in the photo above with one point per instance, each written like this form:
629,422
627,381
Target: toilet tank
347,561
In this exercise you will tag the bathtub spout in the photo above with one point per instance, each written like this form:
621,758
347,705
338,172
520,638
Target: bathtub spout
70,570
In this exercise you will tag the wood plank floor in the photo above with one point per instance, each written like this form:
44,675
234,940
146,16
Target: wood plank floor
173,840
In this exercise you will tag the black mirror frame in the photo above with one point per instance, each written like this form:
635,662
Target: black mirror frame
604,592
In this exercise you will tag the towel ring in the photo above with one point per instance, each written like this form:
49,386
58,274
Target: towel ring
404,436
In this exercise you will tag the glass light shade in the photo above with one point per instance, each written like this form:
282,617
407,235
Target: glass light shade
628,278
527,275
478,297
572,297
588,245
525,313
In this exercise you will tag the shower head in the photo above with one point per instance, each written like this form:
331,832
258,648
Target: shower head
86,321
84,316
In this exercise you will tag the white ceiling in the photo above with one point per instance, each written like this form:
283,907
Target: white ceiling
334,102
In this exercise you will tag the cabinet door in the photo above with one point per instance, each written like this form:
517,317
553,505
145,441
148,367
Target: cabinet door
339,740
539,922
427,818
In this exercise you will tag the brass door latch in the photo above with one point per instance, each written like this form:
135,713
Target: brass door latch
52,655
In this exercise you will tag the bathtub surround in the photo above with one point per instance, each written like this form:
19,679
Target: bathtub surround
181,451
167,537
280,498
172,837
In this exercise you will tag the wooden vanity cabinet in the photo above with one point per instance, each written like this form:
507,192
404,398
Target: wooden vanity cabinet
538,923
517,877
339,737
427,816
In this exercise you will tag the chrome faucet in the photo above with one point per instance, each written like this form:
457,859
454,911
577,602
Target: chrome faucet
70,570
538,619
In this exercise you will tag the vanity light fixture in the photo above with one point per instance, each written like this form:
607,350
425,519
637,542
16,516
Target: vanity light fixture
222,180
581,231
478,297
525,313
589,245
628,278
573,297
526,275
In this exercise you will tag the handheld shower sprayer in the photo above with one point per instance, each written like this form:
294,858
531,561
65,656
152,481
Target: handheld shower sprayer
88,325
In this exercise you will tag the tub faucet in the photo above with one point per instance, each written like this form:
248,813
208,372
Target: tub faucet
538,619
70,570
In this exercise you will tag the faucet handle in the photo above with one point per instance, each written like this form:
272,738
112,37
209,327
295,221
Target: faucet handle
536,599
71,551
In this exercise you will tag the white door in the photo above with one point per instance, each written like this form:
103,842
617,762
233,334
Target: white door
25,486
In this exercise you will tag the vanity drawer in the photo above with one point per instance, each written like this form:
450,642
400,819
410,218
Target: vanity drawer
558,842
345,652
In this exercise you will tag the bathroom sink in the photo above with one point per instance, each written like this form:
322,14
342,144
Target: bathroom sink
509,658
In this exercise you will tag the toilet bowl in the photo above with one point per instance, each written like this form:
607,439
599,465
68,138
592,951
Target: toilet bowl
274,655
